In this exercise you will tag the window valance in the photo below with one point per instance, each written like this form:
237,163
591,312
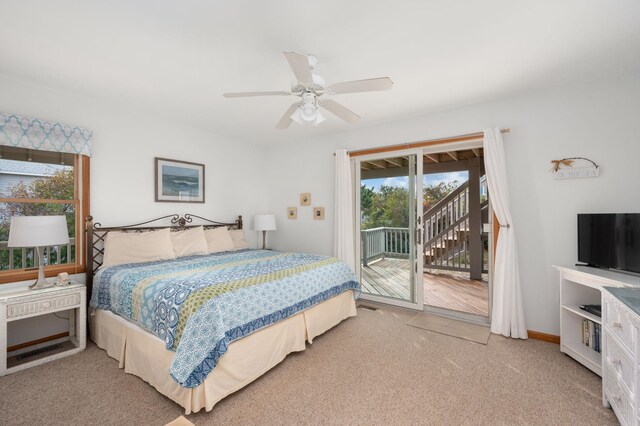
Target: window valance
31,133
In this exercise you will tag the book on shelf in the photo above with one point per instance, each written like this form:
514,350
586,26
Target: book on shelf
591,334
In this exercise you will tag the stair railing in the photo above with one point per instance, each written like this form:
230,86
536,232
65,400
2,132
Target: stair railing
446,211
446,232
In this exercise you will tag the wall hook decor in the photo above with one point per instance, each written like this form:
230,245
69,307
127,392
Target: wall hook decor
566,168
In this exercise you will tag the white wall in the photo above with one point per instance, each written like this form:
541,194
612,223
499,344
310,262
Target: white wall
598,120
122,167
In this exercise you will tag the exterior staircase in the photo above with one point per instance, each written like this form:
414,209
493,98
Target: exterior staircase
447,231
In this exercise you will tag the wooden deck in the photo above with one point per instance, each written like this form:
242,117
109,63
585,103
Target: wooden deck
449,290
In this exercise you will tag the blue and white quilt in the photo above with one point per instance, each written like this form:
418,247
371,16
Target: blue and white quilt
199,304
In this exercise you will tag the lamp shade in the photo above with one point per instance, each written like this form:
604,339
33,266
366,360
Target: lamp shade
264,222
38,231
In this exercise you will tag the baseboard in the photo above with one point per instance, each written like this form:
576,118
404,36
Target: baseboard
537,335
37,341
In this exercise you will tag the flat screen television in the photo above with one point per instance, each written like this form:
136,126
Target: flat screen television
610,240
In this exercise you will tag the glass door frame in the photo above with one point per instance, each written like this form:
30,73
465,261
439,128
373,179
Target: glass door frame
417,282
454,146
419,276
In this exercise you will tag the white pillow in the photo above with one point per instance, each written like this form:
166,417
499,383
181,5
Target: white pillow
239,242
189,242
134,247
219,239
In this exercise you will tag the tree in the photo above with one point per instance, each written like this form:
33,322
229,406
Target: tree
389,207
59,186
366,197
434,193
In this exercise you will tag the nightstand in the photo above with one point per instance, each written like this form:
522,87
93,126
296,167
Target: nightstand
27,303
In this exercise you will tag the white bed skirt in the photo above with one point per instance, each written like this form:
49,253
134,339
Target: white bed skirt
142,354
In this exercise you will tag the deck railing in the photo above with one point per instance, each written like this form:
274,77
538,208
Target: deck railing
378,243
22,258
445,238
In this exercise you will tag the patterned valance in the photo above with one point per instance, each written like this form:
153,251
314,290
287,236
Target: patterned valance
31,133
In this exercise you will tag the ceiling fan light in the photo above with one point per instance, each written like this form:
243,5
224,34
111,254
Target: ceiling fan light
296,116
308,111
319,117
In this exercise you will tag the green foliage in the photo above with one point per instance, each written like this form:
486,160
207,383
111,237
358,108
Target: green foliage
434,193
59,186
389,207
366,197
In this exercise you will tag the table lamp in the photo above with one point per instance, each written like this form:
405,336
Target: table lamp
264,223
38,232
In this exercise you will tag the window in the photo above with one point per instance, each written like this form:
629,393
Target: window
42,183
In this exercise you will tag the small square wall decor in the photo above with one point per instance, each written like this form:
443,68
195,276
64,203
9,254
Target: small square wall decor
292,213
318,213
305,199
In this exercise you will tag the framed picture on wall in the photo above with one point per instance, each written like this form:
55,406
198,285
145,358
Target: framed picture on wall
179,181
305,199
292,213
318,213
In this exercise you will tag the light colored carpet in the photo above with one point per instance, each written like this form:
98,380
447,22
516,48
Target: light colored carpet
460,329
180,421
372,369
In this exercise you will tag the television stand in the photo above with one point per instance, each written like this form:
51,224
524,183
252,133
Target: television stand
582,285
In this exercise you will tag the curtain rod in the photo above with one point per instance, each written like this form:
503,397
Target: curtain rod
391,148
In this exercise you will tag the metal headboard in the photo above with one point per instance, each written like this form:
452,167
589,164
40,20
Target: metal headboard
96,234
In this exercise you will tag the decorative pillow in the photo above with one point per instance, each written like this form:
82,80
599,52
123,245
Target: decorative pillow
219,239
189,242
239,242
134,247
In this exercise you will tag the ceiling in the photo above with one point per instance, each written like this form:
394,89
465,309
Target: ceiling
176,58
433,158
442,162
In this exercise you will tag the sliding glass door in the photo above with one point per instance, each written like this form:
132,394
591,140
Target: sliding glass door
423,226
390,227
456,240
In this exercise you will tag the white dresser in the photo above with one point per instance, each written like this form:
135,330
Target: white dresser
620,353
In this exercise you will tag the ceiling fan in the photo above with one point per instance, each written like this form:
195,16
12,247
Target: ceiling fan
310,88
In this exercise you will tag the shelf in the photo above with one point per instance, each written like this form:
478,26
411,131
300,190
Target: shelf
576,310
583,286
586,356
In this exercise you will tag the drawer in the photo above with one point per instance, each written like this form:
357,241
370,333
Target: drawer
619,362
618,398
44,305
616,318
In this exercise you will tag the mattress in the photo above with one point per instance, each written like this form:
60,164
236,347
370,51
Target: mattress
199,305
144,355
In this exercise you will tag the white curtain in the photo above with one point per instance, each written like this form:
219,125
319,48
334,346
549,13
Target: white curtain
343,237
507,316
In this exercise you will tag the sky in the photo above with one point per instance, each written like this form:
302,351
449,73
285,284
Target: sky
429,180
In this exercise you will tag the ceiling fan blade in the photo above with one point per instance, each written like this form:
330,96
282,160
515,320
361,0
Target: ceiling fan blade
286,120
250,94
299,64
368,85
340,111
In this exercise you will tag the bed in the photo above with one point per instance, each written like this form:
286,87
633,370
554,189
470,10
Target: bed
200,327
